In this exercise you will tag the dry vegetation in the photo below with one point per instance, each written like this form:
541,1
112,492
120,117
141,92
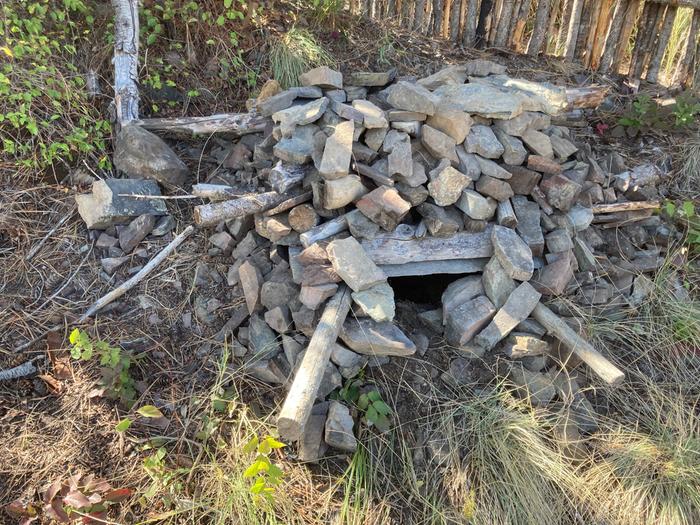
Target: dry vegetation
454,456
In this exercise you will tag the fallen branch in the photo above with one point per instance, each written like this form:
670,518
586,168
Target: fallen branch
626,206
214,213
128,285
226,124
300,400
38,246
23,370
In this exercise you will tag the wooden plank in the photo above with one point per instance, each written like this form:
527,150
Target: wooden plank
302,394
226,124
688,51
599,38
454,266
627,26
573,29
395,249
126,58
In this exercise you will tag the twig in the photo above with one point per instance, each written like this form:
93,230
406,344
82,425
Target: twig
72,276
160,197
128,285
23,370
626,206
41,243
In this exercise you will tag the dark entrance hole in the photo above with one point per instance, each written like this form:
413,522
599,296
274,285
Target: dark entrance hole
422,289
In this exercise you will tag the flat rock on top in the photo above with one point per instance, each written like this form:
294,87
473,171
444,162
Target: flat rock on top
411,97
353,265
369,337
483,100
514,255
323,76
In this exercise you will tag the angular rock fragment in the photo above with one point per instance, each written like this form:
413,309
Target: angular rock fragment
446,188
475,206
536,387
440,222
455,74
543,165
438,144
377,302
496,188
323,77
251,281
135,232
401,163
275,103
523,180
341,192
538,142
518,345
301,115
373,116
313,296
491,169
371,79
561,191
514,153
459,292
412,97
451,120
311,445
279,319
528,215
353,265
369,337
466,320
498,285
482,141
337,152
559,241
483,100
384,206
262,339
338,432
553,278
514,255
562,147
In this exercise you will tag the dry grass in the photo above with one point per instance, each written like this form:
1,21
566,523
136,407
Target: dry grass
293,53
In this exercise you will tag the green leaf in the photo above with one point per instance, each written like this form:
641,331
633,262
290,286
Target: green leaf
73,337
221,20
149,411
363,402
688,208
372,415
374,396
123,425
228,3
264,447
670,209
381,407
258,486
274,443
75,352
251,471
251,445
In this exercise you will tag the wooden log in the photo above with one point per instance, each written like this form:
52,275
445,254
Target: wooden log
212,214
504,23
470,23
302,394
582,348
505,214
419,17
586,97
519,27
138,277
687,54
453,29
373,173
303,218
436,27
494,17
647,32
607,30
612,39
627,27
661,44
563,27
454,266
215,192
538,32
325,230
596,9
572,31
584,27
225,124
126,59
481,28
391,248
289,203
626,206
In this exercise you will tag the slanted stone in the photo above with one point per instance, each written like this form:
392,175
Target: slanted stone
377,302
514,153
514,255
414,195
496,188
401,163
369,337
561,192
518,345
300,115
523,180
447,187
294,151
112,264
361,227
449,75
559,241
338,151
144,155
323,77
104,207
338,432
401,115
438,144
223,241
278,293
538,142
313,296
266,370
498,285
275,103
251,280
579,217
536,387
384,206
517,308
348,362
363,153
544,165
553,278
482,141
476,206
528,214
347,112
412,97
491,169
459,292
562,147
468,163
463,322
392,138
311,446
336,95
163,225
274,228
412,128
135,232
451,120
482,99
440,221
371,79
279,319
341,192
353,265
374,138
262,339
373,116
307,91
105,241
584,256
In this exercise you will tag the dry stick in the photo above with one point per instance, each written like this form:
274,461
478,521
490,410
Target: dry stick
38,246
600,31
470,22
612,40
662,43
584,350
215,192
226,124
688,50
504,23
627,26
23,370
214,213
572,31
128,285
626,206
538,32
126,54
302,394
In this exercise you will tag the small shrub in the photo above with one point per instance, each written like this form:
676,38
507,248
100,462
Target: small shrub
294,53
266,474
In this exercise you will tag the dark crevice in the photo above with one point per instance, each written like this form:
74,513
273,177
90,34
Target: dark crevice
422,289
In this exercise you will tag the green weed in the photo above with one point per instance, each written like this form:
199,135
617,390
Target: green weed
267,475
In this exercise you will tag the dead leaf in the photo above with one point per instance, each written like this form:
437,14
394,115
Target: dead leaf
52,490
55,511
19,508
77,500
54,386
61,368
54,341
118,495
96,392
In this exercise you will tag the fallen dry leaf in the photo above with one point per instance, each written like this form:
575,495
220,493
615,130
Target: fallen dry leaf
54,386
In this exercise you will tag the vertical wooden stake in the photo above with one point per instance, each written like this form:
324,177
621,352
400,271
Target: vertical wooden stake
538,32
572,32
688,51
625,33
662,44
126,59
563,27
471,19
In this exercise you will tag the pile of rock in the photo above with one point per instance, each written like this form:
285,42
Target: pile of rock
370,177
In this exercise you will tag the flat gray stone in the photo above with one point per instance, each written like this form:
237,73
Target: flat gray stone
491,169
482,99
480,67
446,188
293,150
377,302
112,264
538,142
371,79
369,337
561,192
311,446
514,255
374,138
338,151
338,432
135,232
495,188
517,308
348,362
459,292
353,265
440,221
518,125
279,319
373,115
300,115
553,278
275,103
514,153
562,147
536,387
482,141
476,206
412,97
450,75
323,77
468,163
278,293
384,206
251,280
466,320
451,120
338,193
498,285
262,339
439,144
313,296
401,163
528,215
559,241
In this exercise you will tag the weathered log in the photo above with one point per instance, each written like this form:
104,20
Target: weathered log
454,266
390,248
492,25
605,27
504,22
688,51
214,213
418,19
453,28
470,23
538,32
519,27
563,27
594,19
126,58
303,218
225,124
612,40
662,43
436,27
627,27
289,204
302,394
481,28
582,348
215,192
325,230
647,32
585,97
506,215
572,31
584,25
625,206
283,176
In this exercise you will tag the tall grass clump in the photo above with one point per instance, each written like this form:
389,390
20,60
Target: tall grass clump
293,53
676,43
686,181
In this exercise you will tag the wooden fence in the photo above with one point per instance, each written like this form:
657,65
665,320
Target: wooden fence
621,36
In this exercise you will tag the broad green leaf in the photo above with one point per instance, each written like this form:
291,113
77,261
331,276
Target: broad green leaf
251,445
228,3
363,402
264,447
688,208
372,414
149,411
123,425
274,443
374,396
251,471
73,337
258,486
381,407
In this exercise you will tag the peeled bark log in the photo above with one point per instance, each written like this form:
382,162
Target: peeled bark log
418,19
648,32
538,32
594,16
662,43
225,124
587,97
563,27
584,26
215,192
519,27
212,214
126,58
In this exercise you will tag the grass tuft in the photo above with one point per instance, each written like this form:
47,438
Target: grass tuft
294,53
